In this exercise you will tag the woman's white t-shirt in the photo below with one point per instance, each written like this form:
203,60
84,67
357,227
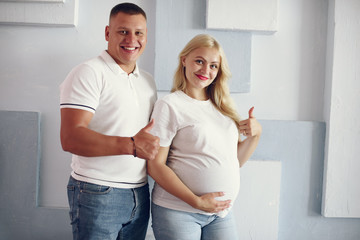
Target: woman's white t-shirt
203,149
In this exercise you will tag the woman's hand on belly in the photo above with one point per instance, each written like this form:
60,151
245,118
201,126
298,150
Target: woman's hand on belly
208,202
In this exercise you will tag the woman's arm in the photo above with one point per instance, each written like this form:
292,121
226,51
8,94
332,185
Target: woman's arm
167,179
252,129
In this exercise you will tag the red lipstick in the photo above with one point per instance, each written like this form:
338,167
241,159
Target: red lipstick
201,77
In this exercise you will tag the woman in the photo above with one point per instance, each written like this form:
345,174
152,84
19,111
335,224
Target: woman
197,168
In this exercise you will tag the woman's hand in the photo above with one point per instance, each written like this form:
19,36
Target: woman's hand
208,202
250,127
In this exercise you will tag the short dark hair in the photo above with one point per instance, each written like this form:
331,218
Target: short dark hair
128,8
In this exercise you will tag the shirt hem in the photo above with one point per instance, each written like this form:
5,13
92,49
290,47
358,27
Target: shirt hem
115,184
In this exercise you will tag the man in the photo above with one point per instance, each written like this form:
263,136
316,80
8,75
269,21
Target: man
105,107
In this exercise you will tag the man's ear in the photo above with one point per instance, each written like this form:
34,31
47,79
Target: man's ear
107,33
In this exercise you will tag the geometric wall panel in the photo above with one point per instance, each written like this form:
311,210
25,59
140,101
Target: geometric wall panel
257,206
49,12
246,15
20,216
341,197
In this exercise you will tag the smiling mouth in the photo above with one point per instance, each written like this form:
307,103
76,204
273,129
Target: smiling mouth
129,48
202,77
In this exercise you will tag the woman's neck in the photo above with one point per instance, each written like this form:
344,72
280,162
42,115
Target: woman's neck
198,94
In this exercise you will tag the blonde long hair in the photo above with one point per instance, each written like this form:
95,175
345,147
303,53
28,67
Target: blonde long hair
218,91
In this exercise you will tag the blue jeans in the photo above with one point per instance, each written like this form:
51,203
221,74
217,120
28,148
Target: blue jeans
171,224
102,213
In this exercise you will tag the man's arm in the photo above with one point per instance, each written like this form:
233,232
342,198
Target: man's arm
78,139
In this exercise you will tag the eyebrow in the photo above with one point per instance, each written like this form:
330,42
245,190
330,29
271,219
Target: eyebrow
128,28
205,59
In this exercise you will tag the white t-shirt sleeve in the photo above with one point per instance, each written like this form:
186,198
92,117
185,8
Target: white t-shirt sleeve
165,123
81,89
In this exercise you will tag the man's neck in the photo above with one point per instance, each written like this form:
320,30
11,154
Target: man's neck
127,68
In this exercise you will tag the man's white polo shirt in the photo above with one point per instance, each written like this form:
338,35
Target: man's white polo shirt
121,105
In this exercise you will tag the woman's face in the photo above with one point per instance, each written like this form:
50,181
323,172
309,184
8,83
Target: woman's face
201,67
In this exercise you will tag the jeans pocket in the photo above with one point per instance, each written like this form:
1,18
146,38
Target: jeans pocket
91,188
94,196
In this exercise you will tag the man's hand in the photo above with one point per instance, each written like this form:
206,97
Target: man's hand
147,145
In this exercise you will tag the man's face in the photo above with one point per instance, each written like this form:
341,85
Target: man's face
127,37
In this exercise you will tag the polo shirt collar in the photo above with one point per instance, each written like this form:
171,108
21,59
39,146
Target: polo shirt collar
115,67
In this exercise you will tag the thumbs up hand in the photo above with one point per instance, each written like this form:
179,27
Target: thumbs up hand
250,127
251,114
147,145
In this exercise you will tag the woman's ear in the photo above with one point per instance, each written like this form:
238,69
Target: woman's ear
183,58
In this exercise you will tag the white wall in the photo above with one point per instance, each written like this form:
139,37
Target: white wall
288,68
341,193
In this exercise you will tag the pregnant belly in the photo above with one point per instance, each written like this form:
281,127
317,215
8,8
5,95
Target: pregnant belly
217,179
